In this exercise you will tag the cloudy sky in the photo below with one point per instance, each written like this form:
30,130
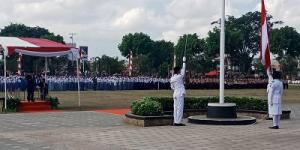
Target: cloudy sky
100,24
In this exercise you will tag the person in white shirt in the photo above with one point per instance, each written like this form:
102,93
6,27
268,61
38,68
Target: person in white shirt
275,91
177,85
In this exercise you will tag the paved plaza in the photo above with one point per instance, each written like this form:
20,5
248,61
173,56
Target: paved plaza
89,130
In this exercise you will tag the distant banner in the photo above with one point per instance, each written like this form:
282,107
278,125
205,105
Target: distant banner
84,52
74,54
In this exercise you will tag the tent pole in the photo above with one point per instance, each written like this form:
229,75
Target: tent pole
78,85
5,90
83,66
46,66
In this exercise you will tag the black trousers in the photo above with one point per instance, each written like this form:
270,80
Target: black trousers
30,95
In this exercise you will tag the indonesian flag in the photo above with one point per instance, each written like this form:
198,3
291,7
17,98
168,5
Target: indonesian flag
130,64
174,60
264,39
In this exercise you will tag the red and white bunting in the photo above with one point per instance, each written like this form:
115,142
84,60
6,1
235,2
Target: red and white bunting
130,64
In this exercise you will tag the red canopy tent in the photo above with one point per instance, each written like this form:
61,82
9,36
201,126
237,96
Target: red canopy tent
36,47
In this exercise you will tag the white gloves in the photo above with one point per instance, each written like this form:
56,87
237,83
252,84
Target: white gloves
184,59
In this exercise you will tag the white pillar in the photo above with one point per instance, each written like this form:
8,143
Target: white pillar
78,80
158,84
19,64
83,66
222,52
5,90
46,66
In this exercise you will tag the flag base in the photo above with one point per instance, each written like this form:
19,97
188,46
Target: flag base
221,110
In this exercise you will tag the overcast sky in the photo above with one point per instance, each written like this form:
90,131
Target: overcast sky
100,24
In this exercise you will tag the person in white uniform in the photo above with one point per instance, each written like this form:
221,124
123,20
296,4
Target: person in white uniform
275,91
177,85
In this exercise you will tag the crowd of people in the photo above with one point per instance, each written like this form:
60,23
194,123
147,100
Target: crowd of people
69,83
213,83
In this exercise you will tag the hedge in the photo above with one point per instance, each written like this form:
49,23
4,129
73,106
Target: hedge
245,103
12,104
146,107
54,102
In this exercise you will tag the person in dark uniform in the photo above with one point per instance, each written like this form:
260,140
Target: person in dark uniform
43,89
30,88
94,83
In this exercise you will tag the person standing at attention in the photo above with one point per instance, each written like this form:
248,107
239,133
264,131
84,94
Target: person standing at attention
177,85
30,88
275,91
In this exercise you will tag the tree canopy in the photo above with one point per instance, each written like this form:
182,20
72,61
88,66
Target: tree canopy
21,30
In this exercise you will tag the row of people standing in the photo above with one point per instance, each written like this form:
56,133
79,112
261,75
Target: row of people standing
69,83
213,83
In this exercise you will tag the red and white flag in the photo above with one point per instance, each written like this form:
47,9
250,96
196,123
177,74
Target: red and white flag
264,38
130,64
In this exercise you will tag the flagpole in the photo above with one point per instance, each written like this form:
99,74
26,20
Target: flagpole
222,51
219,113
184,54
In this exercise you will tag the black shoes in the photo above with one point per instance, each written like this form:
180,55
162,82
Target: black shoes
178,124
274,127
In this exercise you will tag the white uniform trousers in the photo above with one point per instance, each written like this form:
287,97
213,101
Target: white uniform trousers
276,119
178,108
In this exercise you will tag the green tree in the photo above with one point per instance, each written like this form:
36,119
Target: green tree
21,30
241,39
138,43
193,47
149,57
289,66
142,65
141,46
108,65
285,42
162,56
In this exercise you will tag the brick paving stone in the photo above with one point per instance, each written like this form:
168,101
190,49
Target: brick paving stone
84,130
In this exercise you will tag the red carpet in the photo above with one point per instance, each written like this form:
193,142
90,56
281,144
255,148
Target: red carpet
121,111
36,106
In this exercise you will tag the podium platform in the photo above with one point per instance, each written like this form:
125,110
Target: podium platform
35,106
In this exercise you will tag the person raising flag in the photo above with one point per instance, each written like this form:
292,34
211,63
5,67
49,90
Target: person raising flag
275,86
177,85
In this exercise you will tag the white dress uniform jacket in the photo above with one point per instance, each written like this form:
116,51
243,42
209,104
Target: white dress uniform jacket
177,84
275,91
